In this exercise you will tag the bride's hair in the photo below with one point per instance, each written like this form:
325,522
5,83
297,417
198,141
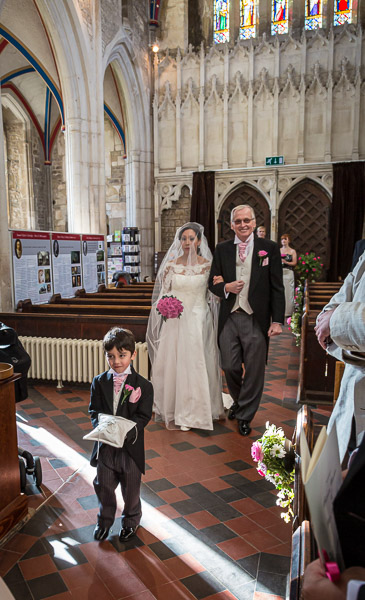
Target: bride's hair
194,226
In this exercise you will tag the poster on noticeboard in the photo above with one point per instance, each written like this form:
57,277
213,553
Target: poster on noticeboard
93,261
66,260
32,266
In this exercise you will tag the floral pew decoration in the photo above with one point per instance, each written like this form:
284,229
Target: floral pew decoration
275,456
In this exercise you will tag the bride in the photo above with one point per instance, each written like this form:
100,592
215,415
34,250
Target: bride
183,351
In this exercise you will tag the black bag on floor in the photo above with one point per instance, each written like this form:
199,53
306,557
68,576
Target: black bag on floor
12,352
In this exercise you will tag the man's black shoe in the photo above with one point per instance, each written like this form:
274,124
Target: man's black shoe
126,533
101,533
232,411
244,427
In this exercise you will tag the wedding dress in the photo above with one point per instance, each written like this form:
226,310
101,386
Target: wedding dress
185,370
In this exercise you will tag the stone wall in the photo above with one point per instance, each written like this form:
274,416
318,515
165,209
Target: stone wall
41,196
175,217
15,134
115,185
59,197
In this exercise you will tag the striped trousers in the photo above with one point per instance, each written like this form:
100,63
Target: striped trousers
115,466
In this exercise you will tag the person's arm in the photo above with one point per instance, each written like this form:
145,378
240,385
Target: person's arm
143,414
216,270
95,402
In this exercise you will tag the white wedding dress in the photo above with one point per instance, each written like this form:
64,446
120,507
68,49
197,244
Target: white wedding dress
185,372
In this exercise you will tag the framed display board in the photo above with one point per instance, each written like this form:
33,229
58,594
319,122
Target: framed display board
32,266
66,260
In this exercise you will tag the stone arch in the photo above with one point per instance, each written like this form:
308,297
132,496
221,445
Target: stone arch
138,137
245,193
304,214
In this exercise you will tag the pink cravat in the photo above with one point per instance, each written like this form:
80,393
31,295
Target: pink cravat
118,381
242,250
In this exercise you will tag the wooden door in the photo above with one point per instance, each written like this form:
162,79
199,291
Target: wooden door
245,194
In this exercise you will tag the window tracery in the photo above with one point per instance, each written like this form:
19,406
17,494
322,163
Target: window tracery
248,19
221,21
342,12
313,14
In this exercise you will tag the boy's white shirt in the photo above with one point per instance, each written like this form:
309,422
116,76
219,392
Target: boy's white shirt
116,397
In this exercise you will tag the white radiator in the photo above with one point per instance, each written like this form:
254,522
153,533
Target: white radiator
73,360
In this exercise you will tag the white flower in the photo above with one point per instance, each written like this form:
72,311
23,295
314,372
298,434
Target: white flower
277,451
286,517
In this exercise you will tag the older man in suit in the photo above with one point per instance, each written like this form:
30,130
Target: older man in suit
340,330
247,275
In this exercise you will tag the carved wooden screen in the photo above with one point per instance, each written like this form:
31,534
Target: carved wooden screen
243,195
304,214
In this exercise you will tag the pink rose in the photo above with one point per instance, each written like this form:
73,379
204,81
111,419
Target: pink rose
306,253
288,320
262,253
314,269
256,451
303,263
135,395
314,258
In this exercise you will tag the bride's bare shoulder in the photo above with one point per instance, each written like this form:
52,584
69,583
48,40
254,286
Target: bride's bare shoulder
203,261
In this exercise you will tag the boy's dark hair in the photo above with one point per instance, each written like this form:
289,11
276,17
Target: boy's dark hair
121,339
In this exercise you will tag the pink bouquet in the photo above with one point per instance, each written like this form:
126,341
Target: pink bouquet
169,307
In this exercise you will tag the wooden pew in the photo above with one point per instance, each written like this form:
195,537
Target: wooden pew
84,309
56,299
87,327
316,368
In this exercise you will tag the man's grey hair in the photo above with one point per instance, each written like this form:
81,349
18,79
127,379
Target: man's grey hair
240,207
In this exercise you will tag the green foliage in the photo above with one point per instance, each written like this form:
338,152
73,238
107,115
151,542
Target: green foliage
308,267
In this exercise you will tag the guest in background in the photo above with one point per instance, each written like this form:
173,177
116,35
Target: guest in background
261,231
288,260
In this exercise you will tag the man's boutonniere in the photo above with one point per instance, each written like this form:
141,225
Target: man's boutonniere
132,394
262,254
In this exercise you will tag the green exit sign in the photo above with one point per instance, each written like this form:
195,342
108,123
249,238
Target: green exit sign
274,160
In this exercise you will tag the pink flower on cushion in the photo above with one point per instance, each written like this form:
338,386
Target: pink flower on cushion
135,395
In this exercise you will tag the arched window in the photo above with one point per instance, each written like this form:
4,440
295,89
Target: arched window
279,17
313,14
342,12
221,21
248,19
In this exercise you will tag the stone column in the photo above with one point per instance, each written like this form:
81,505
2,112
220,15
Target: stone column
5,257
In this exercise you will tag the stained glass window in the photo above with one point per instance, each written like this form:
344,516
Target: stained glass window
247,19
342,12
279,18
313,14
221,21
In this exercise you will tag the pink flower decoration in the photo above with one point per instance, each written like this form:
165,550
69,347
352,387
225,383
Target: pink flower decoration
306,270
128,387
262,253
288,320
135,395
306,253
256,451
303,263
314,258
314,269
262,469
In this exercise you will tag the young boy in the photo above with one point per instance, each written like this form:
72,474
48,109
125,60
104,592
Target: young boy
123,392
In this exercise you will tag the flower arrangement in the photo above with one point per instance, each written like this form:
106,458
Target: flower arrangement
295,321
275,459
169,307
309,267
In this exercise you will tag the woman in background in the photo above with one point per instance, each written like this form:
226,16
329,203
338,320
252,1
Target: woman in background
288,260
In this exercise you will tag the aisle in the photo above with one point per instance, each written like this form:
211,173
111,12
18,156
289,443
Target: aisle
210,528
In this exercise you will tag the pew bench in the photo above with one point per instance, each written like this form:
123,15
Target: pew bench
80,309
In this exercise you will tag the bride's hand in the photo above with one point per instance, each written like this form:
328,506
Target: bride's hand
217,279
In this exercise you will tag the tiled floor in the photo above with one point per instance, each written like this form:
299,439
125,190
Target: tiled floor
210,528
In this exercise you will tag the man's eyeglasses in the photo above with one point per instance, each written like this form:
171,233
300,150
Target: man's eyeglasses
245,221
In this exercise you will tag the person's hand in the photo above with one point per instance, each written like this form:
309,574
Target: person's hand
317,586
274,329
322,327
217,279
235,287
